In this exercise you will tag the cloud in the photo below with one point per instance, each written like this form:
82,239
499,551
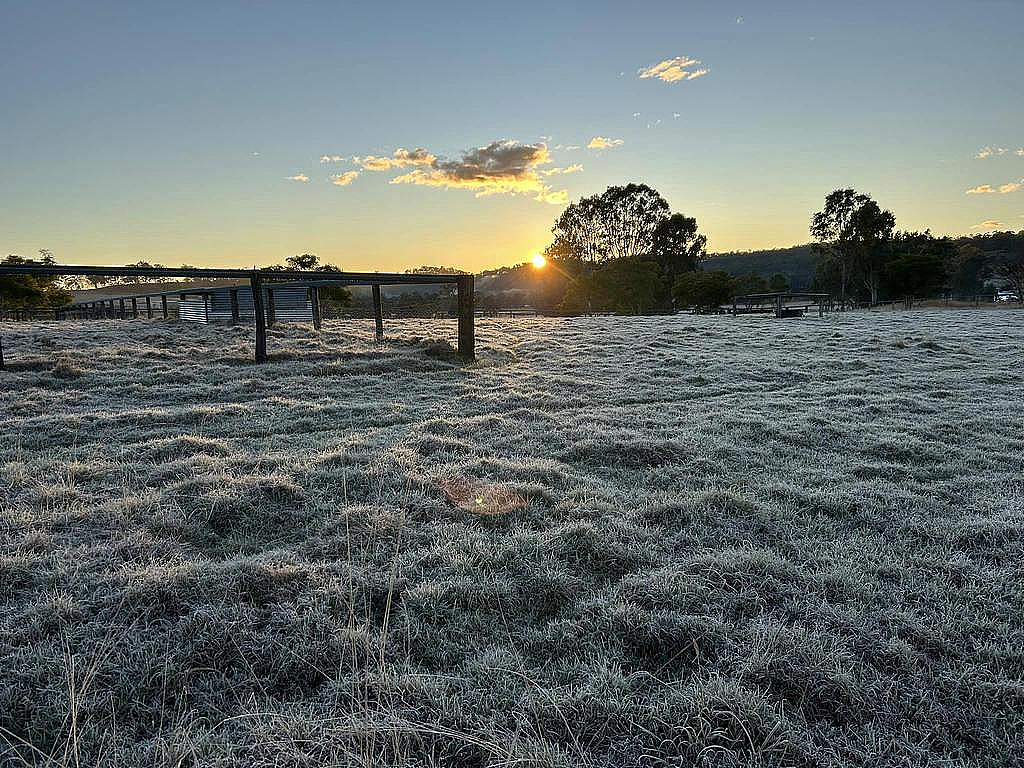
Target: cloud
601,142
1002,189
333,159
674,70
298,177
987,152
401,158
739,19
502,167
344,179
574,168
988,224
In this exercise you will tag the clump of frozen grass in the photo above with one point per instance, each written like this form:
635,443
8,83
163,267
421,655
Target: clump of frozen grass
716,541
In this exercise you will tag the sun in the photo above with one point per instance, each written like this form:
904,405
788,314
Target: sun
539,261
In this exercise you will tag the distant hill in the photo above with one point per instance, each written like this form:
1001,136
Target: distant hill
796,263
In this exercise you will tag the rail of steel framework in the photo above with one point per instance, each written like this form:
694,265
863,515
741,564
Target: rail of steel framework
258,280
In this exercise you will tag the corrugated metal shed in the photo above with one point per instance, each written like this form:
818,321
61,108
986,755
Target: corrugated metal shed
283,304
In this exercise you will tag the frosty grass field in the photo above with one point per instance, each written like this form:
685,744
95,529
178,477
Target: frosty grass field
610,541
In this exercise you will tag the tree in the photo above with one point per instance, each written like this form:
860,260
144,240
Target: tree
619,223
632,286
871,230
966,270
917,264
32,290
677,248
751,282
1007,259
310,262
778,283
851,231
706,291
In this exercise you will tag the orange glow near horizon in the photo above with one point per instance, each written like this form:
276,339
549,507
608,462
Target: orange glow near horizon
539,261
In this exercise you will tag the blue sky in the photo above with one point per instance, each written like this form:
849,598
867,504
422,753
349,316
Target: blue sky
168,133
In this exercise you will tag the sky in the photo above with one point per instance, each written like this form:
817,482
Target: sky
385,136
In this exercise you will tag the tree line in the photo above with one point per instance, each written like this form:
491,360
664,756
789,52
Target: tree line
624,251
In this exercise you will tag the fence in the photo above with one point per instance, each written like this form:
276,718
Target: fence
260,289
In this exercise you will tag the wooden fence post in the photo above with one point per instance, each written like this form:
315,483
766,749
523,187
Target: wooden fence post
271,310
467,340
120,309
378,312
163,304
261,321
1,354
149,308
314,300
135,308
234,305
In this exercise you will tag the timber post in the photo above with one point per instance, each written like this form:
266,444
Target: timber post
260,318
314,302
467,338
378,312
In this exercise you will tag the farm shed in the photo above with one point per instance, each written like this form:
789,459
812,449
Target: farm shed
285,304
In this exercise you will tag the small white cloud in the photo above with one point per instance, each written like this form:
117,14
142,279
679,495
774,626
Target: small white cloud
333,159
988,224
298,177
344,179
255,154
674,70
1019,152
1002,189
602,142
739,19
676,115
636,114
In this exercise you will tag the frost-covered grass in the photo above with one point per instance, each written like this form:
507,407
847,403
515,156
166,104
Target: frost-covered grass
611,541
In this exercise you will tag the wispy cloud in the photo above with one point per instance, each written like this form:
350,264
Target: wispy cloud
298,177
502,167
574,168
602,142
1002,189
333,159
344,179
988,224
986,152
674,70
401,158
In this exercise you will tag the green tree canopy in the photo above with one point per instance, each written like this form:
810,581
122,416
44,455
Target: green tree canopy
32,290
704,290
852,232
